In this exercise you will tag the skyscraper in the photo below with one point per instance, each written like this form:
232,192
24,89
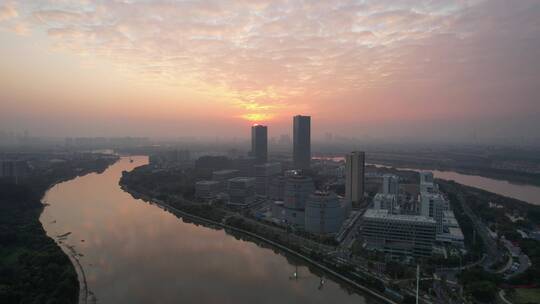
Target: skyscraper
259,143
301,141
354,184
390,184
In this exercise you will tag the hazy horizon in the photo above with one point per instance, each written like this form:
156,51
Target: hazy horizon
456,71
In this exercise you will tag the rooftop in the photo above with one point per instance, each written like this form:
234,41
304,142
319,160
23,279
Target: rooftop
226,171
208,182
383,214
242,179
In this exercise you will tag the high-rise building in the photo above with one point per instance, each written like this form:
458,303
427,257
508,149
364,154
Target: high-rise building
390,184
301,141
259,143
426,182
354,177
385,201
298,188
433,205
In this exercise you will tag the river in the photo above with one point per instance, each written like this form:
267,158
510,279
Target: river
131,251
523,192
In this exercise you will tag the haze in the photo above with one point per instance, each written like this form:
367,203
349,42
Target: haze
451,70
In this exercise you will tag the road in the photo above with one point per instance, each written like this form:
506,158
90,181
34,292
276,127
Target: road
492,251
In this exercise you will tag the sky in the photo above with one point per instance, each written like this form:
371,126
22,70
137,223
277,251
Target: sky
433,69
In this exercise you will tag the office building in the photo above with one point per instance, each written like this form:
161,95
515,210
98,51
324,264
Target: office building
276,188
241,191
222,176
298,188
301,142
433,205
245,165
264,173
324,213
354,177
397,234
259,143
386,202
427,183
390,184
452,233
207,190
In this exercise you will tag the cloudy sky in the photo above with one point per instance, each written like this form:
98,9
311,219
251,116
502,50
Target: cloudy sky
379,68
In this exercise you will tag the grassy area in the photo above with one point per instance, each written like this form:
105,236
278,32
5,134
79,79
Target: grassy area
526,296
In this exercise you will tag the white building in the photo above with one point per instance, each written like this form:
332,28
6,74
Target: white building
354,177
398,234
433,205
324,213
426,182
451,233
385,201
390,184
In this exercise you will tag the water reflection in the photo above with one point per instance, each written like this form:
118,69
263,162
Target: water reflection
134,252
523,192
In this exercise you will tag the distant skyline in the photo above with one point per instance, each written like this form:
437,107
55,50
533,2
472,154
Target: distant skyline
389,69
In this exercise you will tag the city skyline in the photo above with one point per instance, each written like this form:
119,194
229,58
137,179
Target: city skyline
452,71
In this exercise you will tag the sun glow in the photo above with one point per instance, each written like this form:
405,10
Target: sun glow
257,117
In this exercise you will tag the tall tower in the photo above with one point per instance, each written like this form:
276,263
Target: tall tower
390,184
354,184
301,141
259,143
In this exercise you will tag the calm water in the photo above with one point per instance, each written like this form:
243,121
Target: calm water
134,252
526,193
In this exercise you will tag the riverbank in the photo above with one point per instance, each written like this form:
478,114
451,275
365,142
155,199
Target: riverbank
33,267
232,224
513,177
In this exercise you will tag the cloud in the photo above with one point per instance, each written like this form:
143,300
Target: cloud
8,11
265,53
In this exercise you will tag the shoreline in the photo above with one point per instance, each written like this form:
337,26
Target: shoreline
184,214
69,251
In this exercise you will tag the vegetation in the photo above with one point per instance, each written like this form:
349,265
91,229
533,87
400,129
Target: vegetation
526,296
479,284
33,268
532,275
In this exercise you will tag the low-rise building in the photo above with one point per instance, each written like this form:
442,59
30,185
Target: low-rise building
397,234
222,176
241,191
207,189
264,173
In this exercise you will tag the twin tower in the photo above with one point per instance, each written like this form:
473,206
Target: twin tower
301,142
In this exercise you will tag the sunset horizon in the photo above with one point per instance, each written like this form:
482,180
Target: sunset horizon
400,69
